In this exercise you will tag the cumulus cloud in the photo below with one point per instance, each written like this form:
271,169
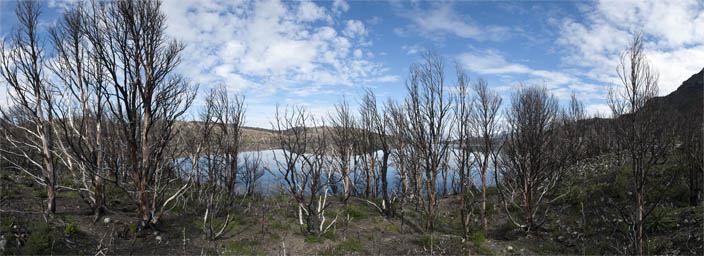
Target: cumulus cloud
270,45
340,6
354,28
674,33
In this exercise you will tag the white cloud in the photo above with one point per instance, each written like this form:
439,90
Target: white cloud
494,63
438,19
354,28
269,45
412,49
674,33
597,110
561,84
357,53
309,11
340,6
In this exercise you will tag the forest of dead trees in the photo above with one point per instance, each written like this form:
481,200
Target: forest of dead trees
98,102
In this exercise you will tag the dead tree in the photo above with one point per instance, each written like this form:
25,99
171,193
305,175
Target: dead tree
484,126
82,109
399,142
573,140
128,38
230,115
642,133
530,171
343,141
381,129
463,147
22,66
430,124
252,171
367,141
218,201
692,154
304,167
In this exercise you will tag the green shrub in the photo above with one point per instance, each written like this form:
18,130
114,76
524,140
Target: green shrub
478,238
490,209
390,227
240,248
350,245
426,240
662,220
313,239
7,194
330,235
493,190
39,240
71,229
69,194
112,191
6,222
217,222
354,213
279,226
40,193
481,250
133,228
274,236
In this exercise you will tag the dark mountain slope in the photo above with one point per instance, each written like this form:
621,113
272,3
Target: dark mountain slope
688,99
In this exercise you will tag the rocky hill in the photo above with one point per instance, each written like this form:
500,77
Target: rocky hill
688,99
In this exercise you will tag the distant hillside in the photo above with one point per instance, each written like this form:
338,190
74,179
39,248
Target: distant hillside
253,138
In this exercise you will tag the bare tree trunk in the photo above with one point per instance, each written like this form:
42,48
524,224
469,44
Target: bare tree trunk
21,67
346,177
48,160
485,226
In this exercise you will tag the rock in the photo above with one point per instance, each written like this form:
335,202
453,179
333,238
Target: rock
158,239
156,233
509,248
3,244
106,220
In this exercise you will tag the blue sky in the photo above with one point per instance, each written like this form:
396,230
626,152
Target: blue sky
314,53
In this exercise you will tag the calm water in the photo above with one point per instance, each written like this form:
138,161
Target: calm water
271,179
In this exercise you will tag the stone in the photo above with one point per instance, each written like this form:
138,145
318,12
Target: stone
158,239
106,220
509,248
